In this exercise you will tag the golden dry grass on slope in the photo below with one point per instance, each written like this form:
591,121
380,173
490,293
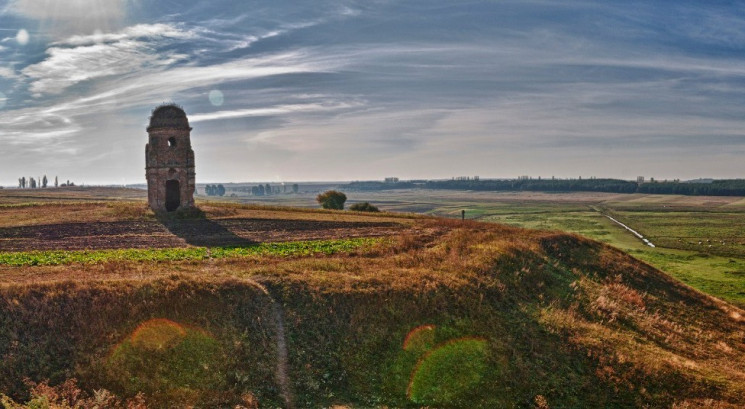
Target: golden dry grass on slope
552,318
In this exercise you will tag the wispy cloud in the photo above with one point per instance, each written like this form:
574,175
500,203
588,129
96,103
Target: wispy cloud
36,130
270,111
82,58
139,31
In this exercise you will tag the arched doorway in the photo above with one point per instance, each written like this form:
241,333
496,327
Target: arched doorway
173,195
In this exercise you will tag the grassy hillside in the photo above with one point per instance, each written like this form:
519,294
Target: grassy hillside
699,240
430,312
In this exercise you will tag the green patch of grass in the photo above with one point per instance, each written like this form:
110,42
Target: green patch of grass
722,277
283,249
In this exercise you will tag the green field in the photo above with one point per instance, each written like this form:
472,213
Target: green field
700,245
287,249
716,266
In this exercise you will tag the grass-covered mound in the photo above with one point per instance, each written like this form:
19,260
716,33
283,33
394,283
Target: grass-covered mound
457,315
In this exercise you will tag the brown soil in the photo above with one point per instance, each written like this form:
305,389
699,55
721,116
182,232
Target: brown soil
182,233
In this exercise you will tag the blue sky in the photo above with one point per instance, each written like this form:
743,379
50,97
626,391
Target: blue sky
358,90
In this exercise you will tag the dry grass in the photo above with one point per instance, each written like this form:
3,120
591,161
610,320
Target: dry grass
569,322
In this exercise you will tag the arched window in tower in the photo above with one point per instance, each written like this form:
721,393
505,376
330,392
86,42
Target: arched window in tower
171,142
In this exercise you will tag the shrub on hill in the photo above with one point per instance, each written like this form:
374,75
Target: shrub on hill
363,207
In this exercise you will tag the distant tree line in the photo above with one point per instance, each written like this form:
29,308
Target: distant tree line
266,190
539,185
215,190
40,182
259,190
731,187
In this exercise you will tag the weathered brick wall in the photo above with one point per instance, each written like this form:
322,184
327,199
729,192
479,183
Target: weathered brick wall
164,163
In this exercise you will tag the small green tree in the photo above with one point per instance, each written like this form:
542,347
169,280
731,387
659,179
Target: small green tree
363,207
220,190
295,188
332,200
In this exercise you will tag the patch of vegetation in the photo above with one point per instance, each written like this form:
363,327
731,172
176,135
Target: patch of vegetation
68,395
363,207
285,249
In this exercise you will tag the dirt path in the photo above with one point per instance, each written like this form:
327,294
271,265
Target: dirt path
281,372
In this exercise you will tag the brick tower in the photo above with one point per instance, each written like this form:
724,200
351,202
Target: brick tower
169,160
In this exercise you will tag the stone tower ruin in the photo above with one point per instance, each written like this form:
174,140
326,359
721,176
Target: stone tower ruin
169,160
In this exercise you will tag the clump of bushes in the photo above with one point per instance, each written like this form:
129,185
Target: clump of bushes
332,199
67,396
363,207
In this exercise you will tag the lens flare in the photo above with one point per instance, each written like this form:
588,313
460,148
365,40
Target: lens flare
22,37
166,361
158,333
420,339
216,97
446,374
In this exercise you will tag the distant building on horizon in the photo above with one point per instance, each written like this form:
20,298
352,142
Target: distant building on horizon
169,160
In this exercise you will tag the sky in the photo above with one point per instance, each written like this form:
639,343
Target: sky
360,90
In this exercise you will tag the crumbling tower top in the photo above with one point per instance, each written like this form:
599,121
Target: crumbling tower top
168,116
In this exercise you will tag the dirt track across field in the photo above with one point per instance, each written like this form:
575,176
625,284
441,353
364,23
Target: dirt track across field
181,233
